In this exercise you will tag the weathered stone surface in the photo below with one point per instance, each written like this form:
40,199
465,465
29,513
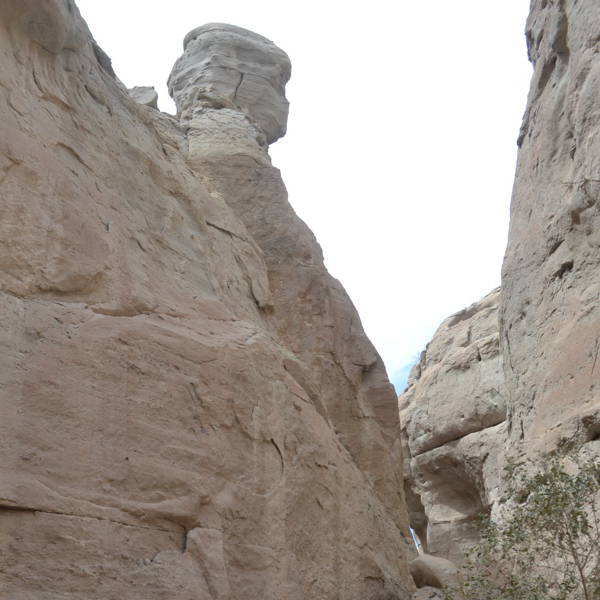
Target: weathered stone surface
432,571
223,148
428,593
452,415
225,66
190,407
145,96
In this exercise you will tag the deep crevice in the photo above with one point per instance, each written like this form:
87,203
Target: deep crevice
237,87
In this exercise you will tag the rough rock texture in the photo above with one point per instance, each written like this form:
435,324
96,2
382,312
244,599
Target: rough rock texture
452,414
463,355
145,95
190,407
549,311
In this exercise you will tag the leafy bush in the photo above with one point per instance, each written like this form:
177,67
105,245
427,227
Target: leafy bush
547,543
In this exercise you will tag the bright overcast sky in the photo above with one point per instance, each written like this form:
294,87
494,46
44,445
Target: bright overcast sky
401,142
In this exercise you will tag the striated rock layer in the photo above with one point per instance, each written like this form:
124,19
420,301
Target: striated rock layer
549,308
190,407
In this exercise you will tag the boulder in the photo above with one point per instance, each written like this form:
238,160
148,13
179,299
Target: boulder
144,95
435,572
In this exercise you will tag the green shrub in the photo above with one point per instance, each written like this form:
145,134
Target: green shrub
547,542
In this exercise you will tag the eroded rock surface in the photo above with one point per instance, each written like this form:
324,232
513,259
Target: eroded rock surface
545,370
190,407
225,66
428,593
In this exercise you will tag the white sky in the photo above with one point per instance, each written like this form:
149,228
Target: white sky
401,142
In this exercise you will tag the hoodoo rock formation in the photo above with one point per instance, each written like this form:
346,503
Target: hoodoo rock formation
548,313
190,407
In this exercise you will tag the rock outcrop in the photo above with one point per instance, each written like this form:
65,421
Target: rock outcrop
428,593
453,414
546,375
190,407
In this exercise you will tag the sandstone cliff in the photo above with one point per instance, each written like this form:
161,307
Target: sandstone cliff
544,372
190,407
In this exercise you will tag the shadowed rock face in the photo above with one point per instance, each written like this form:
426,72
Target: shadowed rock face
190,407
224,66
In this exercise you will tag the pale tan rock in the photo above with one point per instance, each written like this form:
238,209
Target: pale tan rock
460,384
428,593
144,95
549,311
455,484
225,66
431,571
180,418
48,23
306,300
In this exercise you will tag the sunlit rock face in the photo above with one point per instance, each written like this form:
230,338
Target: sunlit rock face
548,311
190,407
225,66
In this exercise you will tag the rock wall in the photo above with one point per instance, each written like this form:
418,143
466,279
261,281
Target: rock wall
190,407
548,311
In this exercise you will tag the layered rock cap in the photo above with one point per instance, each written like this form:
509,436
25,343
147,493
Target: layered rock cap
224,66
